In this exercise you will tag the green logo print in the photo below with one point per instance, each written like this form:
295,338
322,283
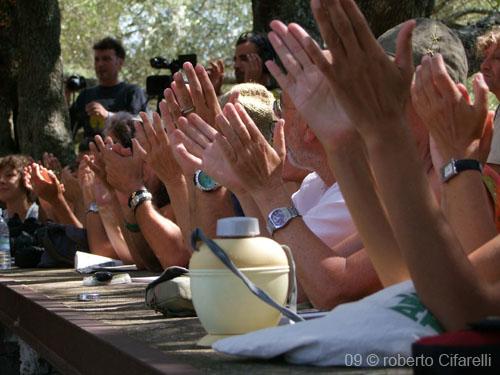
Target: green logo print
411,307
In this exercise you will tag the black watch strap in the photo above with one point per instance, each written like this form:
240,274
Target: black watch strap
454,167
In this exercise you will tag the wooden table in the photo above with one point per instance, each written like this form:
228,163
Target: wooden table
117,334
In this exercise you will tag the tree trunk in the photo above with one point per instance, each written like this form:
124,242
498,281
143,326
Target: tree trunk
299,11
381,14
43,121
7,73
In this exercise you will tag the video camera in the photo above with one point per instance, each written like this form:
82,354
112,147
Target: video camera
76,83
156,84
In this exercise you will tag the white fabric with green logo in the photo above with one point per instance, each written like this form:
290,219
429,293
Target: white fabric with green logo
381,325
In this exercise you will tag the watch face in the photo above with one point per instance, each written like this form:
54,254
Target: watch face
206,181
278,218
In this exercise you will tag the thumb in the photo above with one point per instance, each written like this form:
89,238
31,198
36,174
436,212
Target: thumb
138,149
138,153
279,139
233,97
404,53
480,93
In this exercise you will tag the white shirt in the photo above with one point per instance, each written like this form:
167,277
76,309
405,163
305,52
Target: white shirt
32,212
324,211
494,156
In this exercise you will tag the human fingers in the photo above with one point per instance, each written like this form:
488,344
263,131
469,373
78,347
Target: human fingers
420,100
172,105
185,158
404,51
233,96
138,153
159,131
222,141
189,137
480,94
220,66
442,80
208,131
239,128
197,94
98,144
192,130
324,21
279,139
145,133
292,37
166,117
181,92
209,94
256,64
428,84
231,139
464,92
319,58
291,65
251,129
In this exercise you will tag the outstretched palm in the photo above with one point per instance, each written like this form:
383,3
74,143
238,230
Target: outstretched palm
305,84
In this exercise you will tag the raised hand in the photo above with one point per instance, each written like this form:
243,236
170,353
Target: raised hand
456,125
199,97
73,191
153,144
372,89
87,179
257,164
305,84
96,163
45,183
207,154
124,173
216,74
96,109
253,68
52,162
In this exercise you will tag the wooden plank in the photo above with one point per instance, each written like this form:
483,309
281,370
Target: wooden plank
73,342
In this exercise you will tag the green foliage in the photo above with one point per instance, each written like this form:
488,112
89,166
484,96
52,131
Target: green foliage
208,28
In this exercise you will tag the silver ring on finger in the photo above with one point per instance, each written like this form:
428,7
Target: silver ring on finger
187,111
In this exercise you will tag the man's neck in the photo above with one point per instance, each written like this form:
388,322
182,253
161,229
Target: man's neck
109,83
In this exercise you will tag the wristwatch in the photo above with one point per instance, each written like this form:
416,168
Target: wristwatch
138,197
93,208
204,182
279,217
454,167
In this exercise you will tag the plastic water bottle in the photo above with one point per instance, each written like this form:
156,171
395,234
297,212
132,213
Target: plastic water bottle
5,259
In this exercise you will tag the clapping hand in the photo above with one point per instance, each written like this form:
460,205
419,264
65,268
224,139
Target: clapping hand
370,88
456,125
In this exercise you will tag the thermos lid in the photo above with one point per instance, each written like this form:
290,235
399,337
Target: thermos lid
238,227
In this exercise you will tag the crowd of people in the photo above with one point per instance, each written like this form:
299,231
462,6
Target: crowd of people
371,161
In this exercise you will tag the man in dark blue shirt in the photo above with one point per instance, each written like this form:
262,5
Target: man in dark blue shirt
95,104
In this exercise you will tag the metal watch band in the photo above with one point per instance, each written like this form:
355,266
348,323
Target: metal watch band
134,194
138,199
454,167
283,216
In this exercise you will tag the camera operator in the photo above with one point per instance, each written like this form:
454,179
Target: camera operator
95,104
251,51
